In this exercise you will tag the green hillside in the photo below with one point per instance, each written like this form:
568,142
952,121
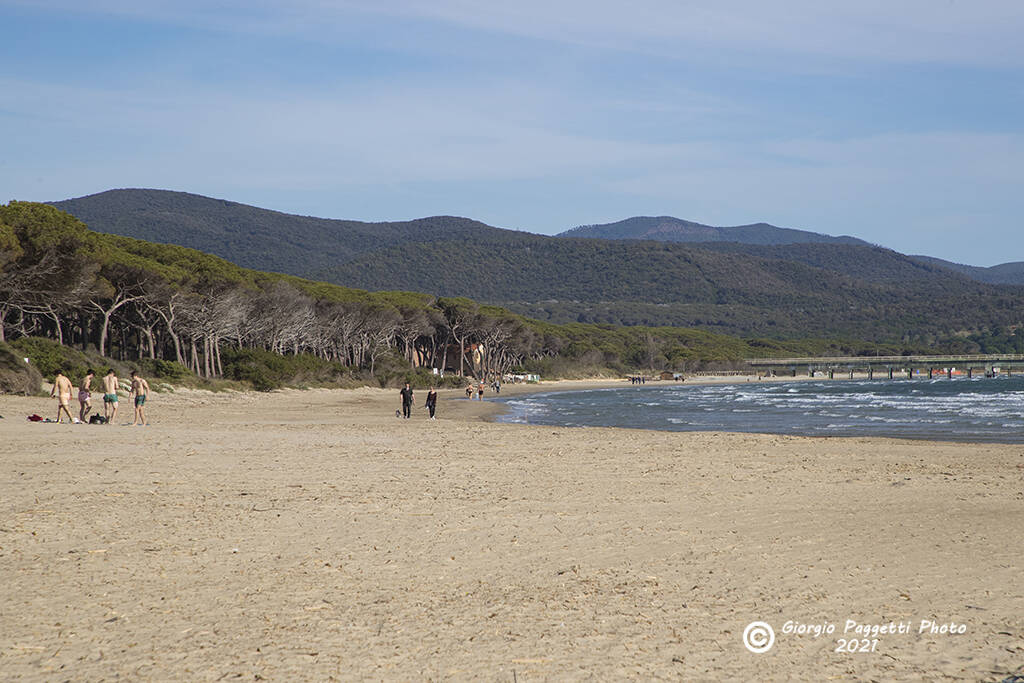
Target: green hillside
71,298
1003,274
669,229
256,238
799,290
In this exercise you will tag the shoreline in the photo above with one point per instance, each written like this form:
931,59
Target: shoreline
552,386
498,408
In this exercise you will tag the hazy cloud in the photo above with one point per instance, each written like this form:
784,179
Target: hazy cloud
950,31
541,115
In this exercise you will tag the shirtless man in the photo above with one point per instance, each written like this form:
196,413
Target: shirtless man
140,389
110,387
62,390
85,395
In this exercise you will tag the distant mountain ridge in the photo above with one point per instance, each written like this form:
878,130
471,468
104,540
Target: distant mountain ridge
1003,274
253,237
791,290
669,229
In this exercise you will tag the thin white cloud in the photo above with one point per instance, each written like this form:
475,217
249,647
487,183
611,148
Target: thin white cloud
949,31
416,135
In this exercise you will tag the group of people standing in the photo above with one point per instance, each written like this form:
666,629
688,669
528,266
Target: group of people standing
63,388
495,387
408,400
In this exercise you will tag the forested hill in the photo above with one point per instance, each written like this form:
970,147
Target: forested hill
1003,274
257,238
669,229
790,291
820,290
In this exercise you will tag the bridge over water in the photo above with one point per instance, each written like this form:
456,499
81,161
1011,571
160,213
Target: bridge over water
890,366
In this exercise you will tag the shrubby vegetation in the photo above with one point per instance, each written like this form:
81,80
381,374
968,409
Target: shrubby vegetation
17,376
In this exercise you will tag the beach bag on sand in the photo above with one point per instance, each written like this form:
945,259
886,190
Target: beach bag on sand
34,418
97,420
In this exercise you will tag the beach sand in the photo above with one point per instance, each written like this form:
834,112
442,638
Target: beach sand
311,535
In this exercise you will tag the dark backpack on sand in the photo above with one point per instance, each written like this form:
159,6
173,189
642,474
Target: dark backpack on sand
97,420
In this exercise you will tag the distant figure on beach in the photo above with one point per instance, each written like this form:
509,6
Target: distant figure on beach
469,392
480,391
62,390
407,401
110,387
140,389
431,402
85,395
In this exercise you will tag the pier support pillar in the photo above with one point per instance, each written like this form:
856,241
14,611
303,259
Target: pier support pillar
949,373
831,374
931,373
890,373
970,373
871,372
851,374
910,373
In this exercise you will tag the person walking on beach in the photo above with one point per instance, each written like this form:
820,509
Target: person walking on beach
431,401
85,395
480,391
469,392
140,389
110,387
407,401
62,391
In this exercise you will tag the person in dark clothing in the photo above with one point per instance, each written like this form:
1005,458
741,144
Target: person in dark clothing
431,402
407,401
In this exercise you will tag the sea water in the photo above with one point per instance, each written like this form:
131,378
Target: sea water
982,409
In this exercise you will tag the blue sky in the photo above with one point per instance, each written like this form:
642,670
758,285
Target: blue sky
900,123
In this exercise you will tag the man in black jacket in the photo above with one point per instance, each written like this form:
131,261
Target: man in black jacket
407,401
431,401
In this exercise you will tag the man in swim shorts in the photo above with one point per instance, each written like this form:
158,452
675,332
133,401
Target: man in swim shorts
110,387
62,390
140,389
85,395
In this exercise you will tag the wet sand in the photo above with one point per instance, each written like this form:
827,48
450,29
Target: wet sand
312,535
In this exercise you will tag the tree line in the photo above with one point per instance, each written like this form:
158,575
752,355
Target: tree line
129,299
132,299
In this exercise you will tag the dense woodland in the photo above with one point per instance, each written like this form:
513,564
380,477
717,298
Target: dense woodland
128,299
184,311
669,229
790,291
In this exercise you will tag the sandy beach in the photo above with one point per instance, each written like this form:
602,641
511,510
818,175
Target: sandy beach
311,535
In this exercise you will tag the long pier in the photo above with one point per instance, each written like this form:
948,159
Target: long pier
969,364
